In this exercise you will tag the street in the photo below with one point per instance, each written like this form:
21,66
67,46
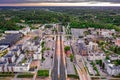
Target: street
59,70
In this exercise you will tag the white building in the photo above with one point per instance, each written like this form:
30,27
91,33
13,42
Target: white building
13,67
111,68
3,65
21,46
11,32
114,57
25,30
96,56
22,68
20,58
16,51
37,56
107,33
3,48
10,58
92,46
17,68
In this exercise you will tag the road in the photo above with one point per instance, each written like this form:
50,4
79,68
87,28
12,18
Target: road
79,64
59,68
62,61
55,66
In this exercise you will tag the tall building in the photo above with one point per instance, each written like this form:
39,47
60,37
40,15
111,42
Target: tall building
92,47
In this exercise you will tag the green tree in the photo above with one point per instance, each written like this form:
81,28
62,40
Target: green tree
67,48
71,57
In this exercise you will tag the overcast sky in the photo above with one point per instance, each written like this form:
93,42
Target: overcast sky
60,2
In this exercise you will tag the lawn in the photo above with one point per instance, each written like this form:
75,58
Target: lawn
6,74
95,68
3,53
25,75
73,76
43,73
116,62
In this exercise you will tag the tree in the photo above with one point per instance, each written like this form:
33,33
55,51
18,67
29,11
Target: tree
71,57
100,63
42,43
103,66
67,48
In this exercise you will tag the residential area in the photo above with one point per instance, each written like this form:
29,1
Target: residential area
30,54
60,43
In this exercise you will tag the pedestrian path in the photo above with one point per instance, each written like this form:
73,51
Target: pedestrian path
70,67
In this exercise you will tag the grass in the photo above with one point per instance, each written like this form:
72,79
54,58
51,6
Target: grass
95,68
24,60
73,76
75,70
117,76
43,73
25,75
116,62
6,74
3,53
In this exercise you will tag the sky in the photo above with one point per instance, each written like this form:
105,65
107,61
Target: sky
59,2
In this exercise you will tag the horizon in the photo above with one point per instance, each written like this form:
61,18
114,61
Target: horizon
59,3
52,6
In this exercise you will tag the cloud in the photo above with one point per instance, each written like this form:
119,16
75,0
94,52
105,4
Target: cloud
63,4
36,1
59,2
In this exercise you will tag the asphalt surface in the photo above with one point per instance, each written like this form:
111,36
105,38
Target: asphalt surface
59,71
62,65
55,67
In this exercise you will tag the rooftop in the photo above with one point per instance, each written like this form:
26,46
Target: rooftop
3,47
8,55
10,39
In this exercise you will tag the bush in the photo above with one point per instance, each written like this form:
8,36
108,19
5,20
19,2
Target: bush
67,48
43,73
42,44
6,74
25,75
95,68
71,57
73,76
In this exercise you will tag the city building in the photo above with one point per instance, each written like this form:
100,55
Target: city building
106,33
37,56
96,55
10,39
3,65
10,58
92,46
11,32
82,49
25,30
117,41
114,57
20,58
111,69
16,51
3,48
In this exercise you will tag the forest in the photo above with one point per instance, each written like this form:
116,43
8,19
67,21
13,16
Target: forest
78,17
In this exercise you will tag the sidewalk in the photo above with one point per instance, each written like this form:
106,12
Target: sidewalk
70,67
